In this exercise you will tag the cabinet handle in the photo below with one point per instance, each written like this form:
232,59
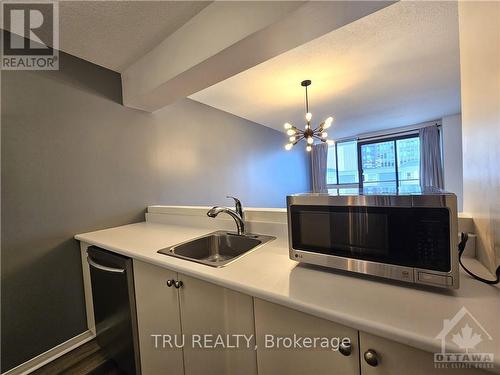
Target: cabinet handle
371,357
170,283
104,268
178,284
345,348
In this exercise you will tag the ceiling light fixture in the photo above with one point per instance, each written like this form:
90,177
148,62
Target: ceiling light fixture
309,134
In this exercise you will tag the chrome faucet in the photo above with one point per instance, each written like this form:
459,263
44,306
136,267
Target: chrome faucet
237,214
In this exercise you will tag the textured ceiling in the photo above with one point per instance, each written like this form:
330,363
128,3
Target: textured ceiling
395,67
114,34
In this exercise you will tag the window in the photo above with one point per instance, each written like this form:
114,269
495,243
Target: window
390,162
342,163
331,166
383,163
408,161
378,163
347,162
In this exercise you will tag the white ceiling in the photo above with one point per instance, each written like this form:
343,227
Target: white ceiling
114,34
395,67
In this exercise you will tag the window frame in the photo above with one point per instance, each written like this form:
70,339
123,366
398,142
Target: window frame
359,143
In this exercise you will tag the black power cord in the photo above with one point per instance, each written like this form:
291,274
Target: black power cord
461,247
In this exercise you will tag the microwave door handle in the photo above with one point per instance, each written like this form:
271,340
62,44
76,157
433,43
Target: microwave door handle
104,268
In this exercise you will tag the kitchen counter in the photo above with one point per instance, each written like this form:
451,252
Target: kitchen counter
403,313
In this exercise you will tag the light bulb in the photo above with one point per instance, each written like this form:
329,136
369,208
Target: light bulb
330,142
290,132
324,135
328,123
309,116
308,148
287,125
292,138
310,140
288,146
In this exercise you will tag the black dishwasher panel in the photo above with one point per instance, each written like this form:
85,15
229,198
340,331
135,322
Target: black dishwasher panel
114,307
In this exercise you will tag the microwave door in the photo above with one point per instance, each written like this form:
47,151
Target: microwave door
341,231
412,237
368,234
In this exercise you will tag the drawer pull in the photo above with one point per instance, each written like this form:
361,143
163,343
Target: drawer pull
371,357
178,284
345,348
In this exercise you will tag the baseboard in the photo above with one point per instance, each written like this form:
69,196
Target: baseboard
48,356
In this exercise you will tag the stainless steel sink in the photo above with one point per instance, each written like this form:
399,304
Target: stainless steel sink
217,249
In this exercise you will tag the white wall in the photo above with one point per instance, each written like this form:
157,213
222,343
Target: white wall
452,156
479,30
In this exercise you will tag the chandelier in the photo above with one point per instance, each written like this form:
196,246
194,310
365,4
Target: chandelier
309,134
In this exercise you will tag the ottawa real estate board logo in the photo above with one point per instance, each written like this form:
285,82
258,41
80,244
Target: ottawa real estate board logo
30,35
464,343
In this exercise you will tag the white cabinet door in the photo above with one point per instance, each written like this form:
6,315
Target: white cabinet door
279,321
157,314
208,309
395,359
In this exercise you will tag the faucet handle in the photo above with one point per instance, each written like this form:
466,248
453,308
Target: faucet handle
237,204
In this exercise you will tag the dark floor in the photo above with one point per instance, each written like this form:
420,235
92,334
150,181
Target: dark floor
86,359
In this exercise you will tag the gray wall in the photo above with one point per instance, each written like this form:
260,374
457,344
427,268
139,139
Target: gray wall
75,160
204,154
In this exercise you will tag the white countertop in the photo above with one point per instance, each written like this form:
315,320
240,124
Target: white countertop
404,313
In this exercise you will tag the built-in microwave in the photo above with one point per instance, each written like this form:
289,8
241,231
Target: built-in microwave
409,235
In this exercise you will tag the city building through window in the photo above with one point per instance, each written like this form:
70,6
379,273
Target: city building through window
389,162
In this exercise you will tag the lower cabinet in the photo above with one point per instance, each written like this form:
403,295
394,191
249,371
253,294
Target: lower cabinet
380,356
157,314
219,315
274,323
205,321
202,319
